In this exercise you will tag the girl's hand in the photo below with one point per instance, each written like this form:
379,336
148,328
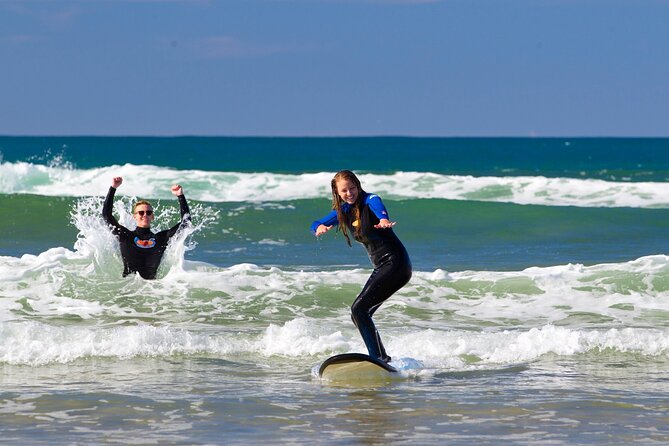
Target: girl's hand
384,223
322,229
116,182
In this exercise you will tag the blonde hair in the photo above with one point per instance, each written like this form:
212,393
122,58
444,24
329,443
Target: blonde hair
139,203
337,203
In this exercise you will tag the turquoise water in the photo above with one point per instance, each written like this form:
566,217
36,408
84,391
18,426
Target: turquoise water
538,312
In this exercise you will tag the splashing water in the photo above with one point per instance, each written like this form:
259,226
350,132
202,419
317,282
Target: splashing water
96,242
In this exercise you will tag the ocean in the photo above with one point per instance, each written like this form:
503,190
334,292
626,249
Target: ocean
537,314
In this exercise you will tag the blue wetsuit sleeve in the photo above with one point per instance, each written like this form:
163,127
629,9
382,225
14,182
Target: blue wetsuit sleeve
328,220
376,205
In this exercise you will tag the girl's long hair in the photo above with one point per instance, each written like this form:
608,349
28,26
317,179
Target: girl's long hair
344,218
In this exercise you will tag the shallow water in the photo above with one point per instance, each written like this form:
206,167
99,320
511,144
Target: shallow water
581,400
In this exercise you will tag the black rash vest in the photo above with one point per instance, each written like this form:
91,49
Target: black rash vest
141,249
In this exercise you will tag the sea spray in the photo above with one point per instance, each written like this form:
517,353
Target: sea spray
96,241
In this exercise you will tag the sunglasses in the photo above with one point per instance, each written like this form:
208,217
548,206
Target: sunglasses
141,213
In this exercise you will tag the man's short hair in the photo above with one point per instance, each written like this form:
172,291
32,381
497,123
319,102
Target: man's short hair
139,203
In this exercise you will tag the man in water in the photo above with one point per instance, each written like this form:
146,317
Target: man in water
141,249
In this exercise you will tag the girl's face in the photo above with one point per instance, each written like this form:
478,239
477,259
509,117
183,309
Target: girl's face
347,190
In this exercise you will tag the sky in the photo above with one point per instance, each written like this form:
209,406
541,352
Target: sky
335,67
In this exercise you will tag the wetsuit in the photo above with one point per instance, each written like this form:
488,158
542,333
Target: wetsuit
141,249
392,268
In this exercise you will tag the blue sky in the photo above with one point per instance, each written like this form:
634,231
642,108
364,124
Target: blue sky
335,67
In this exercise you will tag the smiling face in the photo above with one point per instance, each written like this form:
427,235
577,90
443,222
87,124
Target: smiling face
143,215
347,190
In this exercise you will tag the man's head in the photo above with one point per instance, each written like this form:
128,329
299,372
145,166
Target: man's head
142,212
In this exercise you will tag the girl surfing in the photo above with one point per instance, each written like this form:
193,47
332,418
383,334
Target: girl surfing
363,216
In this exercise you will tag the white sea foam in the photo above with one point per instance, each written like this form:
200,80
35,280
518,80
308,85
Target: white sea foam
34,343
457,349
444,320
154,182
629,293
63,305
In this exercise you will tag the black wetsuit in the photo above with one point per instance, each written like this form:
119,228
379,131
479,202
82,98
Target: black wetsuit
141,249
392,269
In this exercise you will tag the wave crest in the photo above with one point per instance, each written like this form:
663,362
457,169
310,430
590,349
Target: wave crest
154,182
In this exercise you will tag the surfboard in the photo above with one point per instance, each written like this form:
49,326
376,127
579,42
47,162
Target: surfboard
355,367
